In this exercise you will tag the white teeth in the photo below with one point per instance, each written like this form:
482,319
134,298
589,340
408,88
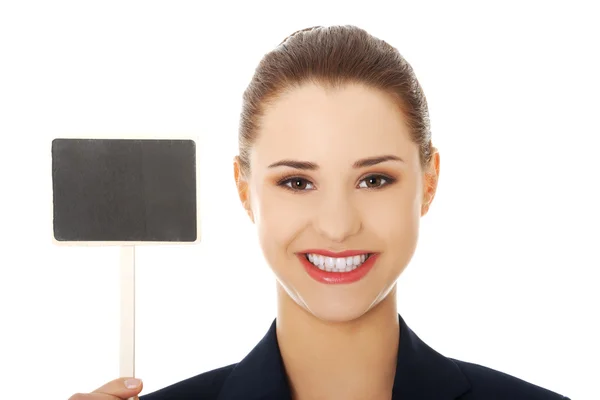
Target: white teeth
339,264
329,262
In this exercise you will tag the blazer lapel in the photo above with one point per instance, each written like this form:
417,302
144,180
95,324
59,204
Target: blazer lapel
260,375
421,372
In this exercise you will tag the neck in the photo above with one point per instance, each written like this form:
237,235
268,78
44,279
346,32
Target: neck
347,360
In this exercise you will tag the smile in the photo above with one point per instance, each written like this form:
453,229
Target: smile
337,264
337,267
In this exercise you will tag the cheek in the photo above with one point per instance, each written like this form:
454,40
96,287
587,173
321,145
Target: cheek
395,218
279,218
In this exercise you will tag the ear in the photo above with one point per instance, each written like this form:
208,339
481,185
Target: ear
430,180
242,187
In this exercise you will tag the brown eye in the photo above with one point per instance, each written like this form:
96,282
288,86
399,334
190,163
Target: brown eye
375,182
298,184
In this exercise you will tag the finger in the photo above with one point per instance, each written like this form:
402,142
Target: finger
95,396
122,388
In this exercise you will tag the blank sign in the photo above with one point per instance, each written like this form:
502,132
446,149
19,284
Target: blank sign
124,190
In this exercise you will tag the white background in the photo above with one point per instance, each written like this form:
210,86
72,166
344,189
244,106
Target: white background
506,273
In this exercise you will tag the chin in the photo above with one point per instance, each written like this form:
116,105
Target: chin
337,303
339,312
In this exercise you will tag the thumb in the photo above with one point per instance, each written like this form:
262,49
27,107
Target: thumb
122,388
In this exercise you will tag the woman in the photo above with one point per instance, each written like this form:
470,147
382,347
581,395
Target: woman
336,168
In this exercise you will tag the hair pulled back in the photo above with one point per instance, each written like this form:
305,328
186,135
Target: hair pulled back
332,57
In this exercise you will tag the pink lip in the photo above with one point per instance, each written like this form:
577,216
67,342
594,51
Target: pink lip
327,253
337,277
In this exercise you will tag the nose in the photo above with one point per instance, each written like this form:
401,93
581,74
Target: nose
337,217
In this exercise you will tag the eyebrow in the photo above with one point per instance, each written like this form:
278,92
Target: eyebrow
362,163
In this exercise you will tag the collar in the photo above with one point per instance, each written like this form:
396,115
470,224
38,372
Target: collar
421,372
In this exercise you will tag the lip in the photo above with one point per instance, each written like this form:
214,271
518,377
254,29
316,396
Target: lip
336,278
327,253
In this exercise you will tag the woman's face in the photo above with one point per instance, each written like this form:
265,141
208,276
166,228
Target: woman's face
334,171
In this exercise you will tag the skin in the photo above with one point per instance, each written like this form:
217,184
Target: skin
118,389
348,333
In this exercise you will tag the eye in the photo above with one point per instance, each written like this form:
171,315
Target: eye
375,182
297,184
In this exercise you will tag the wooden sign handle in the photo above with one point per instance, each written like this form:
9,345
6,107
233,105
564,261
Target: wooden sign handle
127,351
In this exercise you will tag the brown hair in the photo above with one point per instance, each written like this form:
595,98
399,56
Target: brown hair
331,57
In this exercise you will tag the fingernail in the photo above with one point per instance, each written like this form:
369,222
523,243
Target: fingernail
132,383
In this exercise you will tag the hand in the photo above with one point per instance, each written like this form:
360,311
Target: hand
119,389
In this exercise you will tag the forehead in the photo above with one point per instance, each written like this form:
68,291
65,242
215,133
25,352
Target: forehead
312,122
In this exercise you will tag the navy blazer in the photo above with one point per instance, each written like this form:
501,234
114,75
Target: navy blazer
421,374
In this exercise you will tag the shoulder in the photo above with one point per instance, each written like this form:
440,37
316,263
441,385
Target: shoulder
204,386
487,383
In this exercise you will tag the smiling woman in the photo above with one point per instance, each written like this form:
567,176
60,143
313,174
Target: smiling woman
343,192
336,168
